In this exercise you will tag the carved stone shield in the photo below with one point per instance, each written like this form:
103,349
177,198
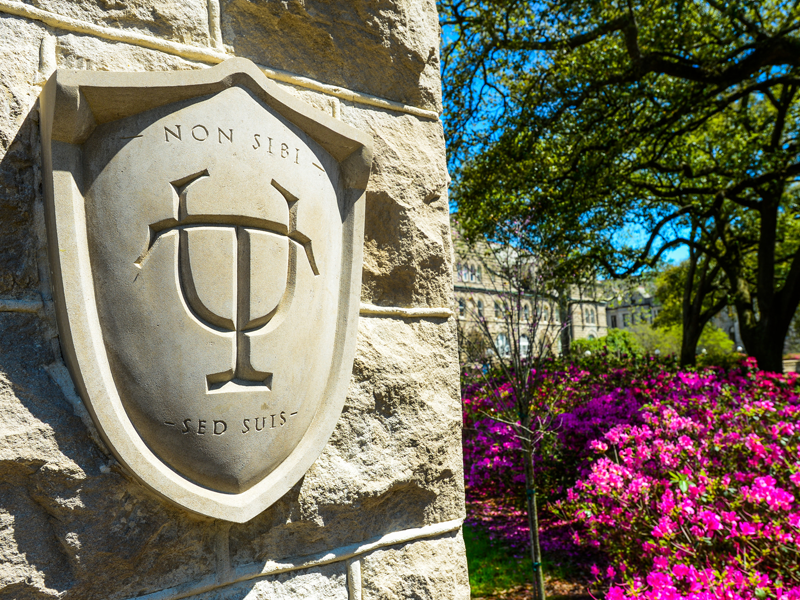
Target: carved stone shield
205,233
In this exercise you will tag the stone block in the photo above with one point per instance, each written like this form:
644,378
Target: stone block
185,21
407,244
387,48
74,524
424,570
328,582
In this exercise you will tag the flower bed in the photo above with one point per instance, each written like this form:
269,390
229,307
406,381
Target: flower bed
699,500
687,483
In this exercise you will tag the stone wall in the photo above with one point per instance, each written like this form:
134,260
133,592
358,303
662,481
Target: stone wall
378,515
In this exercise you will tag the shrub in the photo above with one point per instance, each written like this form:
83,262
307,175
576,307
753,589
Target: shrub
698,500
618,342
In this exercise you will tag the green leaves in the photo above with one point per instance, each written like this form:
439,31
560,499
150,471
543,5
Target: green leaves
611,130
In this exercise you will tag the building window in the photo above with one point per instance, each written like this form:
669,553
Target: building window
526,313
462,308
479,273
614,321
458,271
472,273
524,345
546,313
480,308
625,320
503,346
633,319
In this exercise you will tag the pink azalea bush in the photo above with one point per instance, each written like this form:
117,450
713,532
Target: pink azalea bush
700,500
685,484
589,402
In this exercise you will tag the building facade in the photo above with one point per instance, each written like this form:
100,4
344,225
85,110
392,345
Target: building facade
486,306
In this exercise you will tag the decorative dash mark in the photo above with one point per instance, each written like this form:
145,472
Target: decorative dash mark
316,165
131,137
169,423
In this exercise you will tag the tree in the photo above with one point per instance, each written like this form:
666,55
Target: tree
619,131
519,338
691,294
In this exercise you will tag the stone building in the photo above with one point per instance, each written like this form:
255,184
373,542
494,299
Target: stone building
629,307
481,295
637,305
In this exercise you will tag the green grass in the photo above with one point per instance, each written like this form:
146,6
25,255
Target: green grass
491,566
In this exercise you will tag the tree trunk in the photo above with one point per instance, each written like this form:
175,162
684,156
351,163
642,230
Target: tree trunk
764,341
770,356
533,525
565,317
689,339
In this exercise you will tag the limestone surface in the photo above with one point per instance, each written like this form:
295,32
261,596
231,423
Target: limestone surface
321,583
424,569
388,48
185,21
74,524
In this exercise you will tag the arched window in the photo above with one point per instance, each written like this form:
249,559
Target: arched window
503,346
479,273
587,315
472,273
591,337
480,308
458,271
498,310
462,308
546,313
524,345
526,313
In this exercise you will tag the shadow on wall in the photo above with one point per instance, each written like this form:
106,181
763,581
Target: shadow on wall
70,520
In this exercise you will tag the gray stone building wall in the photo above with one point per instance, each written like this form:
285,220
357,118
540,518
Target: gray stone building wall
378,515
480,294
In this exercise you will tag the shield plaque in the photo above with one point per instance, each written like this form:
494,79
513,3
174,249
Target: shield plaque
205,235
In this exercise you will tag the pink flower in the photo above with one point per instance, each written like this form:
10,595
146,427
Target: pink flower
710,520
749,528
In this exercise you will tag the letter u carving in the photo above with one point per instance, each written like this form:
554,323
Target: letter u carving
219,258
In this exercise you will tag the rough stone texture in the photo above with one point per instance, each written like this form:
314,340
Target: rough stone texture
19,168
74,524
75,51
394,460
407,243
323,583
185,21
424,570
388,48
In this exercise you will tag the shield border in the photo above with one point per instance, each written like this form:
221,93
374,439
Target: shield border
72,105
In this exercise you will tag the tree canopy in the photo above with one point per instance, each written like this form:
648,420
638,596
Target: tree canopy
614,132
